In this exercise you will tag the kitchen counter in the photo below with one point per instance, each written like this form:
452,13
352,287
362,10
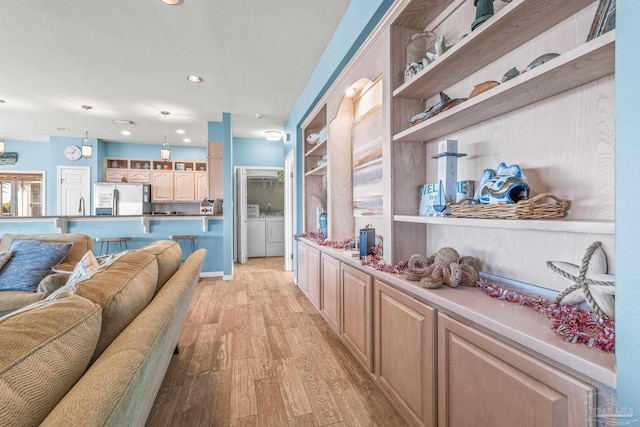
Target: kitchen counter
61,222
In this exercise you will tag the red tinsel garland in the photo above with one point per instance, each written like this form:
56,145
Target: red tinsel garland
374,260
575,324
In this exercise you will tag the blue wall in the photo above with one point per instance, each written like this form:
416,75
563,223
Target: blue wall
627,203
257,152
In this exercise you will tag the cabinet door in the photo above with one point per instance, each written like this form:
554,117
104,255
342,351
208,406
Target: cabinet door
162,186
215,170
404,336
485,382
139,176
331,292
115,175
313,267
357,288
184,187
201,185
303,270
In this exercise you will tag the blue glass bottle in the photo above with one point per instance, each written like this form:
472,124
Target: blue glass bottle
323,224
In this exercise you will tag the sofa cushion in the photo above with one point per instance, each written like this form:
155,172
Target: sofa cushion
168,254
123,289
46,348
81,242
13,300
31,262
87,264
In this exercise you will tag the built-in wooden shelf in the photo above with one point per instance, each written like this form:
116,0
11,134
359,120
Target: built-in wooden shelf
584,64
319,150
561,225
512,26
320,170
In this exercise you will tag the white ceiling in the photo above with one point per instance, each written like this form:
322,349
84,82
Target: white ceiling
128,59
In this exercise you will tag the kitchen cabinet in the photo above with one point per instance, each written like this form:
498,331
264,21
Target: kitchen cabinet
116,175
405,358
331,292
183,187
201,186
215,169
141,176
161,186
313,278
357,320
485,382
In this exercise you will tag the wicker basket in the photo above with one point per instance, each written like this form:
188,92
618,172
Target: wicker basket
532,208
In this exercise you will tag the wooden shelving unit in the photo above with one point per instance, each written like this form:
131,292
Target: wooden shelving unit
580,66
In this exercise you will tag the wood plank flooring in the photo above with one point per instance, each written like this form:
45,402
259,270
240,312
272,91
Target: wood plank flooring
255,352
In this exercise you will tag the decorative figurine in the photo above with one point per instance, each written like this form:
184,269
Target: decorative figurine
444,104
541,60
483,87
484,11
514,72
441,47
448,268
597,286
447,173
505,185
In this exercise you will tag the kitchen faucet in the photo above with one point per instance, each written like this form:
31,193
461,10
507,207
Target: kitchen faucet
81,206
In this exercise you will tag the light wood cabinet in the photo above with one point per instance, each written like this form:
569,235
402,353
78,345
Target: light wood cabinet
215,170
405,358
115,175
303,269
142,176
357,317
331,292
486,383
183,187
314,280
201,185
162,186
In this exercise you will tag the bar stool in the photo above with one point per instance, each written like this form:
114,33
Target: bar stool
190,237
107,240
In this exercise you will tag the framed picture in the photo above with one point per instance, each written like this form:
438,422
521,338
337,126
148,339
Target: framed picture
179,166
604,20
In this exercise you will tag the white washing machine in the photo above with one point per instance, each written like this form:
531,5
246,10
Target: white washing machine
256,238
275,235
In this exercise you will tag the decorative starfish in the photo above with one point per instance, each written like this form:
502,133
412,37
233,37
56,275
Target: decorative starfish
598,289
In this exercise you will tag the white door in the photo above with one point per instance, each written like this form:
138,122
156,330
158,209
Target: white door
288,211
74,190
241,215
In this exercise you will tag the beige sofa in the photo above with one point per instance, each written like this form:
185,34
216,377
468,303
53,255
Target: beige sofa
123,323
13,300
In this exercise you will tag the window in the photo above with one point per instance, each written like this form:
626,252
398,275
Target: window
22,194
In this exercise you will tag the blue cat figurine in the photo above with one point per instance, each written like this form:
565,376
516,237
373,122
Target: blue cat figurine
505,185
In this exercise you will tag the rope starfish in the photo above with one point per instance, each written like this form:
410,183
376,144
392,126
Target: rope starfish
582,282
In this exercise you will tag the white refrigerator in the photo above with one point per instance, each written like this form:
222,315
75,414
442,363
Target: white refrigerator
111,198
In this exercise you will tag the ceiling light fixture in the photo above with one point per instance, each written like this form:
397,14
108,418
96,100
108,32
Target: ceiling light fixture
350,91
172,2
1,101
195,79
61,129
180,131
87,149
165,151
126,132
273,135
1,144
123,122
186,140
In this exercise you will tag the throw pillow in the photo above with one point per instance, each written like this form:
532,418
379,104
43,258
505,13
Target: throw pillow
31,262
87,264
4,258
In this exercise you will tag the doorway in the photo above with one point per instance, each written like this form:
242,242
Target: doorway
74,190
289,165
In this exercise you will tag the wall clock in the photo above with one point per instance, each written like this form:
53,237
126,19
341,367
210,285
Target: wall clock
72,152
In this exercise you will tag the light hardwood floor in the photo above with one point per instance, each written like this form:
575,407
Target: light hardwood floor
255,352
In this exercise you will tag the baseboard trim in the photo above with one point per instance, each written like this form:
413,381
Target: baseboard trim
212,274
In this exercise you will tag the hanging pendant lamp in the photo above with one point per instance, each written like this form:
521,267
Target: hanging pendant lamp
87,148
165,151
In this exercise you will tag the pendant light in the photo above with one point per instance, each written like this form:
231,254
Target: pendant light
165,151
87,149
1,145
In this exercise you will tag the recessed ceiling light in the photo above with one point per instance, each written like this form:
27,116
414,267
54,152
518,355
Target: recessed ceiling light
194,79
63,129
172,2
180,131
126,132
186,140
